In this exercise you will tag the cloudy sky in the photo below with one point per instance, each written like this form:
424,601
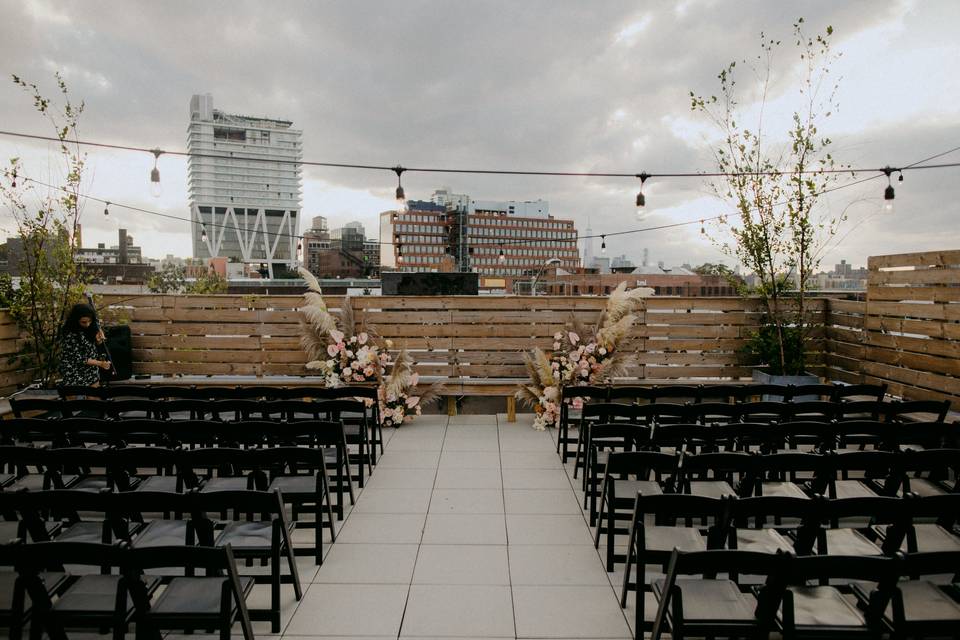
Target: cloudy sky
529,85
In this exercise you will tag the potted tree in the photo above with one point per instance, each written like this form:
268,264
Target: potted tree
778,230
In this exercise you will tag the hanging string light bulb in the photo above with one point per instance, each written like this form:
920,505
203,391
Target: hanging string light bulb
502,257
603,244
155,188
703,231
203,234
106,209
399,253
401,196
641,199
889,193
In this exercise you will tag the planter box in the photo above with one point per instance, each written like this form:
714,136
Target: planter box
761,376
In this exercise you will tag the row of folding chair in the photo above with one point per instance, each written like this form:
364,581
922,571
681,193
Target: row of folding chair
368,394
301,472
56,586
904,596
658,414
601,440
254,523
862,527
255,423
791,474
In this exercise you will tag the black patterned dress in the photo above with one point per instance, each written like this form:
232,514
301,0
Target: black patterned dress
75,349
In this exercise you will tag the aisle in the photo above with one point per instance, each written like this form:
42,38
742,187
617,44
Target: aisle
469,527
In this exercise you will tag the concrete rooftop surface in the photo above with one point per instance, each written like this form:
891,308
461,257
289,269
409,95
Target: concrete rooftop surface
470,527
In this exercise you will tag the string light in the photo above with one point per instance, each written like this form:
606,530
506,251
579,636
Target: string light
889,193
703,231
106,209
155,188
502,257
641,199
399,252
203,234
603,244
401,196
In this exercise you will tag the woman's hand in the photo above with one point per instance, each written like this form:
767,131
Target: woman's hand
103,364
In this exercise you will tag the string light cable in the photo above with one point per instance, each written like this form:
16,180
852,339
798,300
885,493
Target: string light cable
883,172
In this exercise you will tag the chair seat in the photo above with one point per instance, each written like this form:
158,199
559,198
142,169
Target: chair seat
7,478
926,602
824,607
933,537
762,540
161,533
82,532
246,536
194,596
91,483
853,489
238,483
166,484
711,488
627,489
720,601
924,487
849,542
8,578
657,538
90,594
782,489
295,486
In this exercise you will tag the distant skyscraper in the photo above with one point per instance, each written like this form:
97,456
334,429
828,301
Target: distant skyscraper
588,247
245,203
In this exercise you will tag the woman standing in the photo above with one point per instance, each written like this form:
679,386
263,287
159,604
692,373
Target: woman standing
79,362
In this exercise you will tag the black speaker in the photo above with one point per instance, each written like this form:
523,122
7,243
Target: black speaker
121,350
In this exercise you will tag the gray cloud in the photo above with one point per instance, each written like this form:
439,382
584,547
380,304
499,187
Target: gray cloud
529,85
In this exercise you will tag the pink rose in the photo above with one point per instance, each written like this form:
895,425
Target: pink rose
332,349
336,335
363,337
574,338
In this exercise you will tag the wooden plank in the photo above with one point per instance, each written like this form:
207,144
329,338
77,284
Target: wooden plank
924,276
909,392
917,361
931,311
922,379
224,355
846,306
924,258
254,343
896,294
932,346
154,314
9,331
211,329
197,368
930,328
689,358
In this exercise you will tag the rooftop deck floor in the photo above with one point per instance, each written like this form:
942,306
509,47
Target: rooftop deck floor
470,527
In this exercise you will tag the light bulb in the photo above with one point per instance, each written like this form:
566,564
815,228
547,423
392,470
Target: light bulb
106,208
603,244
888,199
155,188
203,234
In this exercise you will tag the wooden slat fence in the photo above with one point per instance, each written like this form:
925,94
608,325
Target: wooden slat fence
907,333
12,372
456,336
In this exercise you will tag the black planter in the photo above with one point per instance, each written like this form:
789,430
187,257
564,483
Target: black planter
761,376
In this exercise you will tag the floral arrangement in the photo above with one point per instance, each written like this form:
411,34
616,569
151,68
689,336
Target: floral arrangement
343,357
577,360
332,347
397,394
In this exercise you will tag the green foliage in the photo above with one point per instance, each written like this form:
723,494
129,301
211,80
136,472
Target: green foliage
46,220
780,232
209,284
170,279
765,345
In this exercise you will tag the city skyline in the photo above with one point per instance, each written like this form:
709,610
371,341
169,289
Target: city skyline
613,98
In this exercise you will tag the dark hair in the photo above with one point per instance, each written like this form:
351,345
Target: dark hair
73,318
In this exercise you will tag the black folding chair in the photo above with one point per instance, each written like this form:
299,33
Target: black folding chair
917,411
713,606
857,392
923,608
822,611
768,524
214,600
626,474
584,394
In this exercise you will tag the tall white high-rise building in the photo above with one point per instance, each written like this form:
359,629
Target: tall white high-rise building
244,179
